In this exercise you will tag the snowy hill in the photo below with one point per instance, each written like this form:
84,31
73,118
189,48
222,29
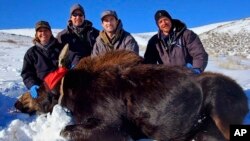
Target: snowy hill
220,39
8,39
27,31
230,39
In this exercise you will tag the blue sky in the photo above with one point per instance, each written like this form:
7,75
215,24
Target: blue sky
137,15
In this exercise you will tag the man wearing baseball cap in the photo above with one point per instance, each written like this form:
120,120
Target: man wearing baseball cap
41,59
43,24
175,45
113,36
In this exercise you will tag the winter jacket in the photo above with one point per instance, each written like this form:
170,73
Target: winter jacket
39,61
81,40
122,41
182,46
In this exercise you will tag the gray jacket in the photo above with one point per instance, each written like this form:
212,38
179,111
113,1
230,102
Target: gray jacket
124,41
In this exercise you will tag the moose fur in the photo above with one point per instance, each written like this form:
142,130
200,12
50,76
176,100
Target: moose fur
224,100
116,97
143,101
149,101
45,102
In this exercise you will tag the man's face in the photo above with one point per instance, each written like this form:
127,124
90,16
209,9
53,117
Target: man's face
77,18
44,35
164,25
109,24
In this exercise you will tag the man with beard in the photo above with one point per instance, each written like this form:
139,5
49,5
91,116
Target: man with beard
175,45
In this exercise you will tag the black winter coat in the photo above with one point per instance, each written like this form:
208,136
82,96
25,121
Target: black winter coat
81,44
39,61
182,46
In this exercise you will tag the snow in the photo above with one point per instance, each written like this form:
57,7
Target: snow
27,31
232,26
17,126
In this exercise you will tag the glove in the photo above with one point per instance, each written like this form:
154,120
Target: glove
33,91
194,70
188,65
72,66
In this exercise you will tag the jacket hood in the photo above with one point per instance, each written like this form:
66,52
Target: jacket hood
178,25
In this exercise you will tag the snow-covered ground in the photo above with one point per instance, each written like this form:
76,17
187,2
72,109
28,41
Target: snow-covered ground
22,127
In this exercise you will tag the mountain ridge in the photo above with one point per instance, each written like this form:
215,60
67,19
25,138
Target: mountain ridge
219,39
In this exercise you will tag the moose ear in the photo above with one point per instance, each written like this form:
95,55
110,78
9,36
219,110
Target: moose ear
63,57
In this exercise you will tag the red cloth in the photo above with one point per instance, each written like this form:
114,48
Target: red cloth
52,78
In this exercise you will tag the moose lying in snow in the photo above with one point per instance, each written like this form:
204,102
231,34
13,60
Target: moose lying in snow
116,97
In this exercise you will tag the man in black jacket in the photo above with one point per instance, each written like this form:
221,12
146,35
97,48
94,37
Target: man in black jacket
41,59
175,45
79,34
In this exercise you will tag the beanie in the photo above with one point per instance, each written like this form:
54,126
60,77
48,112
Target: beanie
43,24
76,7
162,13
109,13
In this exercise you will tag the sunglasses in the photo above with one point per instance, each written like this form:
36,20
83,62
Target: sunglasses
77,14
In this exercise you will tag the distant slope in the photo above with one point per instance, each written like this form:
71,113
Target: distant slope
13,40
206,28
225,38
19,37
231,38
27,31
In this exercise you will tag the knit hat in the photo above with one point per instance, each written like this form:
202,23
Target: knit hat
43,24
76,7
109,13
162,13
